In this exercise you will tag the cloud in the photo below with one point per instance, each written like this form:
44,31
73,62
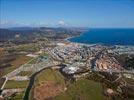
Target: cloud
61,22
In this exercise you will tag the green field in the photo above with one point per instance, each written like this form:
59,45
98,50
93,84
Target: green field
16,84
26,47
82,89
49,75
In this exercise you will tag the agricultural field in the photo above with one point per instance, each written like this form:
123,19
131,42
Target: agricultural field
16,84
20,60
25,48
17,62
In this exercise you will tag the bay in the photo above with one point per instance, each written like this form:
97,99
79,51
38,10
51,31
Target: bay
106,36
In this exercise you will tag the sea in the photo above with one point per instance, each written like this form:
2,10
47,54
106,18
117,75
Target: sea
106,36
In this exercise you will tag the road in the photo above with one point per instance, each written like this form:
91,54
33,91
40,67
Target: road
115,71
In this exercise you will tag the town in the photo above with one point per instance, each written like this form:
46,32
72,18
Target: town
71,59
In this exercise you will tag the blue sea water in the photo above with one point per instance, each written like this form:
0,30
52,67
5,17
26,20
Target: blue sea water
106,37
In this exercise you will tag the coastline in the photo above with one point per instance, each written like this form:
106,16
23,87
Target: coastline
67,39
73,39
93,44
82,44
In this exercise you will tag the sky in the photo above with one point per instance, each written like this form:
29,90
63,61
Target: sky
67,13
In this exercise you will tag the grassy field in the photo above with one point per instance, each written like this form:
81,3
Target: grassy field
49,75
16,84
25,73
26,47
82,89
